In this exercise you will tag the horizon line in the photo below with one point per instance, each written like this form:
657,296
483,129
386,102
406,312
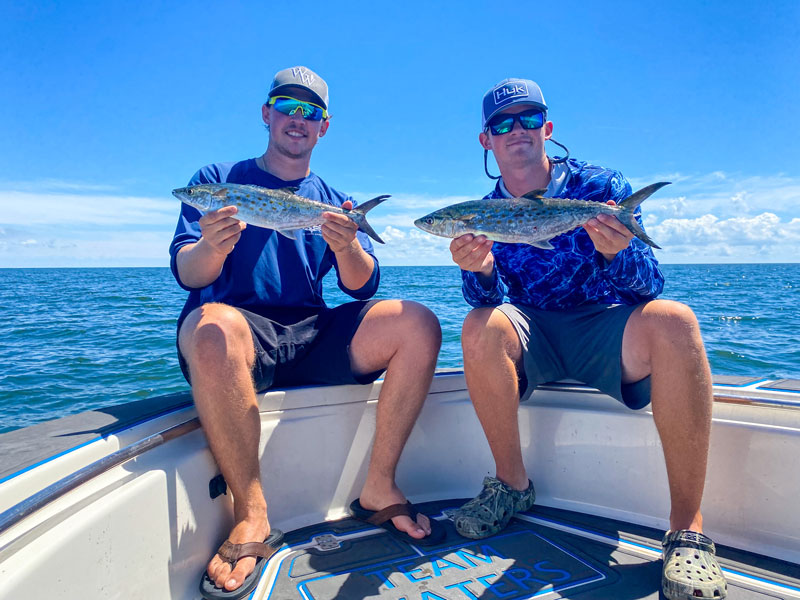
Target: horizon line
382,266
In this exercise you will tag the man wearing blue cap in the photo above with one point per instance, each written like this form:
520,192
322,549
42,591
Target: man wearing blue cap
585,310
255,318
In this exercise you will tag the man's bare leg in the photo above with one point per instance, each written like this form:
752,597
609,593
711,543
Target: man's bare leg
404,338
492,351
663,339
217,344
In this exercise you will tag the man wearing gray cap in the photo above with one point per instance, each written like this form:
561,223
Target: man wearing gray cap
255,318
584,309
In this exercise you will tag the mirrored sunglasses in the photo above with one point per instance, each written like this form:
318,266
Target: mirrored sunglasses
503,123
288,106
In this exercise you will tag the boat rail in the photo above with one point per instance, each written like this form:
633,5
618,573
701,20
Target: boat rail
37,501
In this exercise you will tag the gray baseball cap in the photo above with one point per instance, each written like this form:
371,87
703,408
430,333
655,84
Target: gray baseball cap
509,92
300,77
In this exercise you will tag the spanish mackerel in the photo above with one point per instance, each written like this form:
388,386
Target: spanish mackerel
279,209
531,219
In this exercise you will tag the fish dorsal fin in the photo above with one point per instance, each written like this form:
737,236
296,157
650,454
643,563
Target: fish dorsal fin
220,194
535,194
290,189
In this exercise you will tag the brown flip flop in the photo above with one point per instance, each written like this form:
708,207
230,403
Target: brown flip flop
231,553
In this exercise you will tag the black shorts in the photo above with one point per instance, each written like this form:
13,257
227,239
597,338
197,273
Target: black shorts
583,343
295,348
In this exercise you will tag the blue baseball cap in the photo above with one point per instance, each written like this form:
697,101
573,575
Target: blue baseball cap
509,92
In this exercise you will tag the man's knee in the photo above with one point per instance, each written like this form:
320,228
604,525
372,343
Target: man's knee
398,324
214,332
667,319
487,332
419,325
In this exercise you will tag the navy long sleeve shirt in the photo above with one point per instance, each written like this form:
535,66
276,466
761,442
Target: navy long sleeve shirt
267,272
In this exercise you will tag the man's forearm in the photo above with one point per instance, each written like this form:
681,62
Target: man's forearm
486,276
355,266
199,264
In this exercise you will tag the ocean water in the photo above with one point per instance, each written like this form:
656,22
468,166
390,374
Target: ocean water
76,339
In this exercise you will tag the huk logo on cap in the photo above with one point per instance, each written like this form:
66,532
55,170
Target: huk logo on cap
510,91
303,75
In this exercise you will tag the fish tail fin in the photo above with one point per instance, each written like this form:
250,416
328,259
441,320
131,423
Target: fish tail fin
629,205
635,199
359,215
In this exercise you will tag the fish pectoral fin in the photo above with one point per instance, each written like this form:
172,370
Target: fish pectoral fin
220,194
289,233
468,217
535,194
291,189
543,244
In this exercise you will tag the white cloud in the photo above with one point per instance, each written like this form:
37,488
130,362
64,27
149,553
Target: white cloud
56,185
115,248
410,246
414,203
760,238
24,208
725,196
763,229
402,210
41,229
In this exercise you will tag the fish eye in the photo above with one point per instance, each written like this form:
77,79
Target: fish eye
429,221
190,191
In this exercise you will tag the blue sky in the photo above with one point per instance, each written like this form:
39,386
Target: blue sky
107,106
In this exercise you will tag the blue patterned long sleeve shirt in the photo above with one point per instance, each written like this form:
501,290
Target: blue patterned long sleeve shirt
573,273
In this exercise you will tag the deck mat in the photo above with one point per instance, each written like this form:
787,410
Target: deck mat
786,385
737,380
535,557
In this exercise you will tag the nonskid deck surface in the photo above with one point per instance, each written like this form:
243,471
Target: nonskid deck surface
544,553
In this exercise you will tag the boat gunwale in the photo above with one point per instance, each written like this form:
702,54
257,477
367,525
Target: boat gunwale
723,394
737,395
17,512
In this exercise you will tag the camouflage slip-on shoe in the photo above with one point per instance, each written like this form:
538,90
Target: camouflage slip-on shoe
492,509
690,567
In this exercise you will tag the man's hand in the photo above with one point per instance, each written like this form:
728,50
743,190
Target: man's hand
339,230
220,230
609,236
200,264
473,253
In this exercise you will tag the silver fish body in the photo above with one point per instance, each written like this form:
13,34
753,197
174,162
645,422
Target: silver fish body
531,219
278,209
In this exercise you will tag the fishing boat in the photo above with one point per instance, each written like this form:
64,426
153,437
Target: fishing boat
127,501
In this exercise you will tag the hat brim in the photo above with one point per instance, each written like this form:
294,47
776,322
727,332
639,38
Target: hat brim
287,87
538,105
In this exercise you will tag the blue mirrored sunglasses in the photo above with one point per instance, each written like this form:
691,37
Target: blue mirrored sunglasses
288,106
504,122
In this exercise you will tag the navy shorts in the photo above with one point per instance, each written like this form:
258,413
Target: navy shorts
583,343
294,347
